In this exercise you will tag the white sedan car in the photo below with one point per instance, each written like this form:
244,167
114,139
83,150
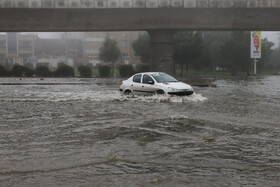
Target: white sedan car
150,83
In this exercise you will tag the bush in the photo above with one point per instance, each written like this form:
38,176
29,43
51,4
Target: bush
29,65
27,72
43,71
64,71
17,70
104,71
85,71
143,68
126,70
3,71
21,71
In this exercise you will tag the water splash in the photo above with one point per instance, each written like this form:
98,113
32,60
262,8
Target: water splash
103,96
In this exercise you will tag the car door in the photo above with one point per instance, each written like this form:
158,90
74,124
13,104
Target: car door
136,85
148,87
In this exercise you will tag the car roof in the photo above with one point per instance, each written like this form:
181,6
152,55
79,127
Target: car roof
151,73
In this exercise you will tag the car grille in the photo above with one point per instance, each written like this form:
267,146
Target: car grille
181,93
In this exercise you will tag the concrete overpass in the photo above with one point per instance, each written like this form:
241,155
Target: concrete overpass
161,18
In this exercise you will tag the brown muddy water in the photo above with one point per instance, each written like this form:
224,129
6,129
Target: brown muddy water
87,134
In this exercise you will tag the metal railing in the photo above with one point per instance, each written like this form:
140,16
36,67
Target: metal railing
139,4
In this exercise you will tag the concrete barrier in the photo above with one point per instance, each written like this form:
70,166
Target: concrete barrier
215,3
7,3
74,4
177,3
202,3
275,3
100,3
151,3
164,3
47,4
189,3
34,4
227,3
61,4
264,3
113,4
252,3
21,4
139,4
87,4
126,3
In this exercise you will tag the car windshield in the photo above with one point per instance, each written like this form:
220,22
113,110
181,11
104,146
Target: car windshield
162,77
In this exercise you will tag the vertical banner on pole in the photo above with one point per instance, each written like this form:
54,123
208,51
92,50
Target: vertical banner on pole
255,48
256,44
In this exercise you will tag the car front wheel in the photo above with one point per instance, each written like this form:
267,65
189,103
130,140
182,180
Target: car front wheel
160,92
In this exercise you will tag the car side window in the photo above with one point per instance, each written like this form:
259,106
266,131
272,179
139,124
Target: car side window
147,78
137,78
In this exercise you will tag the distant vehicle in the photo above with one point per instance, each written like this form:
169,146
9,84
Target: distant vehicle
151,83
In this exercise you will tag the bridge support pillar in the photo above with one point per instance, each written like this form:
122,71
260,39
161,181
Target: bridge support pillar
162,50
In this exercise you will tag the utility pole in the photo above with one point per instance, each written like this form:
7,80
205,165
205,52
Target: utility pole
278,40
255,67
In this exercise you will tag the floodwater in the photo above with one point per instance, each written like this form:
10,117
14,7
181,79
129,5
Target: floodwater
87,134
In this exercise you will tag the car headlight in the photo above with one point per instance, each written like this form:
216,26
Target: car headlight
172,89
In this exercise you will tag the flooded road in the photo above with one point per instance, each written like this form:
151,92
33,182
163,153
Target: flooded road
88,134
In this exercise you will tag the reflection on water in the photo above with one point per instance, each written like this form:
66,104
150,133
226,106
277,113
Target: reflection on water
89,134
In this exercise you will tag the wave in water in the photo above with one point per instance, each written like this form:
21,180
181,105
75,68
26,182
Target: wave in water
104,96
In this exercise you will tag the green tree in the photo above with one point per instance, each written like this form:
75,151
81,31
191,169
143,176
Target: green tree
43,71
236,52
110,52
64,71
104,70
188,47
266,52
85,71
3,71
215,55
242,55
126,70
143,68
211,57
274,60
142,47
227,56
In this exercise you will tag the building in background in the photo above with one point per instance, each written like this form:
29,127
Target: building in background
66,48
91,44
16,48
26,50
53,52
94,40
125,40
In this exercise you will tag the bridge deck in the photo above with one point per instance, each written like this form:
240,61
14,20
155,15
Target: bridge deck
139,3
55,20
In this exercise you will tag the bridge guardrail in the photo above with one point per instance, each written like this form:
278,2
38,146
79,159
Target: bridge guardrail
139,4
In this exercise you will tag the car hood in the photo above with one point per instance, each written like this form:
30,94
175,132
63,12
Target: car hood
177,85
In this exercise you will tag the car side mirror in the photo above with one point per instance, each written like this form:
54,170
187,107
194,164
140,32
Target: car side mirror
151,82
